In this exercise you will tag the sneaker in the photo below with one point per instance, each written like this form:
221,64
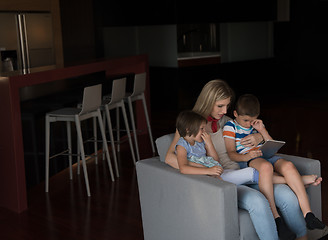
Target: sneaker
312,222
284,232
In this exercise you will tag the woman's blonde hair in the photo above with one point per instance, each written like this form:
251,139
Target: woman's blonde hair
213,91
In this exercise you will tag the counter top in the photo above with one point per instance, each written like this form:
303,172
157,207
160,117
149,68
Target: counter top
189,59
27,71
195,55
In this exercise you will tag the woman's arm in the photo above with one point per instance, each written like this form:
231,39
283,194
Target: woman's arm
186,168
171,158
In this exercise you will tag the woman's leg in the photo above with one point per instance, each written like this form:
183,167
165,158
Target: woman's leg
289,208
259,210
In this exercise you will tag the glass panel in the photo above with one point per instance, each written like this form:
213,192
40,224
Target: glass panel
198,38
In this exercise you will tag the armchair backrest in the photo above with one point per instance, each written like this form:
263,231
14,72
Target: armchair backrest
163,143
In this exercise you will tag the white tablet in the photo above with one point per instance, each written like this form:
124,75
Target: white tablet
271,147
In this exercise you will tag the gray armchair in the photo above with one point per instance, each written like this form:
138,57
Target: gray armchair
176,206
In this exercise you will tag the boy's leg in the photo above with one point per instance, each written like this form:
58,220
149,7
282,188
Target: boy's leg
265,169
308,180
295,182
278,179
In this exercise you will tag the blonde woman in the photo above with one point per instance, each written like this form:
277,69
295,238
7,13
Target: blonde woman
213,103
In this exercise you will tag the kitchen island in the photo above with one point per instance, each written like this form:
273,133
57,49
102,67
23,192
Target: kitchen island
12,168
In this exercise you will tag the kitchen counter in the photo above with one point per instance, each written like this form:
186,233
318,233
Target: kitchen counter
12,168
27,71
189,59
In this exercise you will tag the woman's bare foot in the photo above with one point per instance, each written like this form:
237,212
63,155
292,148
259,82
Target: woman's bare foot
313,180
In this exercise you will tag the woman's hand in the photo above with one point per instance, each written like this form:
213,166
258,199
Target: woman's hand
215,171
251,140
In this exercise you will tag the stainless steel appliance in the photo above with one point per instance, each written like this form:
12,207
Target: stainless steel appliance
26,40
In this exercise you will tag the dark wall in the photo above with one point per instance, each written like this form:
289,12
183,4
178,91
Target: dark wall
300,45
78,30
146,12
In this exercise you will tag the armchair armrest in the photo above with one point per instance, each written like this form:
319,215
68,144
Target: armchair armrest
305,166
308,166
176,206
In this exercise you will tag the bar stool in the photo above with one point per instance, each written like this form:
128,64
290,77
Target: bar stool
115,101
90,109
138,94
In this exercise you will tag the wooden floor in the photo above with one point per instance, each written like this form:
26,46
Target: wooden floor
113,210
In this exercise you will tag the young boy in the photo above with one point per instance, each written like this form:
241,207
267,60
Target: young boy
246,122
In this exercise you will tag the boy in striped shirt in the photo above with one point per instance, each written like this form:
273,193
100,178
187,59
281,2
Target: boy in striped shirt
246,122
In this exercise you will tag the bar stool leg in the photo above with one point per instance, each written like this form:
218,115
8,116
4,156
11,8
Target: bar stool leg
84,165
148,123
104,124
133,127
118,128
69,143
111,136
47,129
102,130
78,157
128,131
95,144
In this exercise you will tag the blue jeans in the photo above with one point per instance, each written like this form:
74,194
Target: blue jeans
253,201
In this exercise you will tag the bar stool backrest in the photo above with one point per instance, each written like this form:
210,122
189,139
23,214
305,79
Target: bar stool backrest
139,84
91,98
118,90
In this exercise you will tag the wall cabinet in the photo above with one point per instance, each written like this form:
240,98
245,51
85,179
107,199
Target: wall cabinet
226,11
136,13
143,12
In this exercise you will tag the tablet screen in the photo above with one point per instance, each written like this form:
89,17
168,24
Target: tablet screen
271,147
